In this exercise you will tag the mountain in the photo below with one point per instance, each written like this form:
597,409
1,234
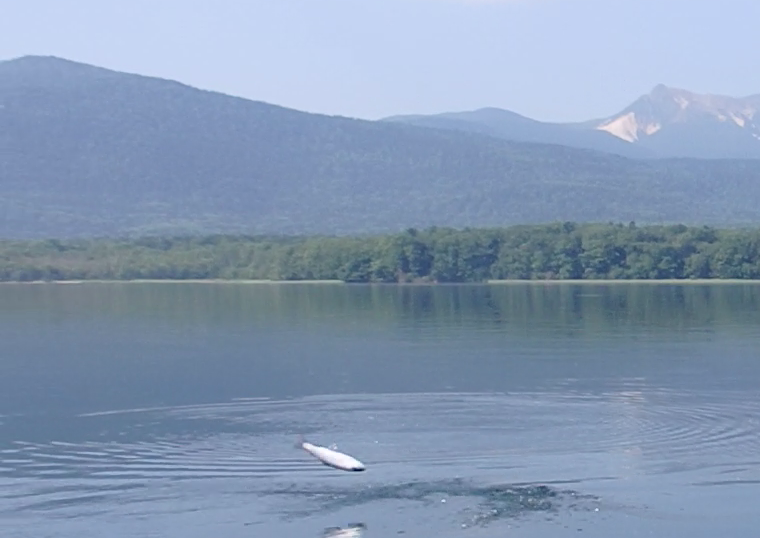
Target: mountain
677,122
666,122
512,126
90,151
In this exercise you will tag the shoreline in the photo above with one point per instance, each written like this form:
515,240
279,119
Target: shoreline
682,281
172,281
494,282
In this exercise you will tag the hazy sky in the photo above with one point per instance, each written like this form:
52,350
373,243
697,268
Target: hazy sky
548,59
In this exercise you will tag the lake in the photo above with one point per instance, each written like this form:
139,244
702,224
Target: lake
552,410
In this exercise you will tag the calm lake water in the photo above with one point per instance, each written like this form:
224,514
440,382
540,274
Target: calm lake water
171,410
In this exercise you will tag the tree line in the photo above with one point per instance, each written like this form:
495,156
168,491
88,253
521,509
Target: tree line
557,251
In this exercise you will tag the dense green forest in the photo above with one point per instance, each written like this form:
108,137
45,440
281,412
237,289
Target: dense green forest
551,251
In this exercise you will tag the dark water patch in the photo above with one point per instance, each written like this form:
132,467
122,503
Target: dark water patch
352,530
82,500
728,482
45,497
487,503
46,490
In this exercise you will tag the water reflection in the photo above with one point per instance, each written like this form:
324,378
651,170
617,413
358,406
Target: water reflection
132,409
353,530
538,308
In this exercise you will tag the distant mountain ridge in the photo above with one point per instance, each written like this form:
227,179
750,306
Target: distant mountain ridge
666,122
512,126
89,151
680,123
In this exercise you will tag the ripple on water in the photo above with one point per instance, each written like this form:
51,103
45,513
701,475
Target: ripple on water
433,437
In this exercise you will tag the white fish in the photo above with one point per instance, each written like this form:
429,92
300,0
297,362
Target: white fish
330,457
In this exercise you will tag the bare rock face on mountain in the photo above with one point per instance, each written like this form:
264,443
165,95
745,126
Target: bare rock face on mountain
667,122
512,126
676,122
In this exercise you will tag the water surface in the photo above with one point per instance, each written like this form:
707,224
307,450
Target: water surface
144,410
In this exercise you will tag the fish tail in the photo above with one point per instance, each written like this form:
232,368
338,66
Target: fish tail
299,443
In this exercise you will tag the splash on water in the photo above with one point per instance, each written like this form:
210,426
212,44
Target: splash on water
488,503
353,530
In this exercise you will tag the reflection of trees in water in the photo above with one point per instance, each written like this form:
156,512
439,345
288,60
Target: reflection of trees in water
585,310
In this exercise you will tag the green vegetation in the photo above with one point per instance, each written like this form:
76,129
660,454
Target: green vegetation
552,251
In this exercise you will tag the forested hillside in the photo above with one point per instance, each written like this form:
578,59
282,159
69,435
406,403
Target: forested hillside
93,152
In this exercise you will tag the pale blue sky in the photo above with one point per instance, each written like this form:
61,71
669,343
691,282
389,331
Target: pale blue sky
549,59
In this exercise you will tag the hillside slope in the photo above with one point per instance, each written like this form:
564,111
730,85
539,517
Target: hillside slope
97,152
